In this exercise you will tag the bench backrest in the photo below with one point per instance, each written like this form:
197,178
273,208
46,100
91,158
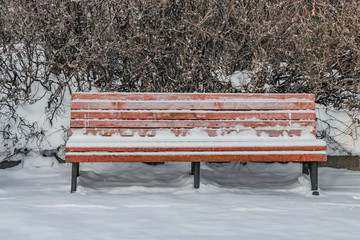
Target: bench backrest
145,114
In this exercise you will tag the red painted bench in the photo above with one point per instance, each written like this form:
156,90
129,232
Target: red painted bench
197,127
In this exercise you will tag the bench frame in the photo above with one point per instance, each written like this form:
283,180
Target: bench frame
310,165
309,168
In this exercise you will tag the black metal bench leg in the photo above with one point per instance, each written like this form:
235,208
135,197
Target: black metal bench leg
305,168
192,168
75,173
314,177
78,169
196,174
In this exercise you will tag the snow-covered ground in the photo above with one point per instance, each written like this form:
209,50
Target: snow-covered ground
138,201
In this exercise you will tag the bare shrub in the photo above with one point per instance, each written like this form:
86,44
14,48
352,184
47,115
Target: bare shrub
50,48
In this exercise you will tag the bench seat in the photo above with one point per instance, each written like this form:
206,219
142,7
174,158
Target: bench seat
155,149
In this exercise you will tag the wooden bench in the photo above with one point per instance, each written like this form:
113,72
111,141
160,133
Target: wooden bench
197,127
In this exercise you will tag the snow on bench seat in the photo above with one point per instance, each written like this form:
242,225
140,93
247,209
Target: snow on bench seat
153,127
81,143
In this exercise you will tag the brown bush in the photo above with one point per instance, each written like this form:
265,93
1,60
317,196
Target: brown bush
310,46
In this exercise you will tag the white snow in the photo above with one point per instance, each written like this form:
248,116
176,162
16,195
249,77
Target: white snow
194,144
196,138
240,78
192,111
138,201
343,129
247,100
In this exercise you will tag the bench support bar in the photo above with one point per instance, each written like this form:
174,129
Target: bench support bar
196,174
74,175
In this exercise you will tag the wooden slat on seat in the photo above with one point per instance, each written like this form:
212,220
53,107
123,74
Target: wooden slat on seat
292,156
193,149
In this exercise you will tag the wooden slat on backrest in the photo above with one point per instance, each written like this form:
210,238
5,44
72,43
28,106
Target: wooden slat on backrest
193,115
193,105
176,101
185,124
106,113
187,96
